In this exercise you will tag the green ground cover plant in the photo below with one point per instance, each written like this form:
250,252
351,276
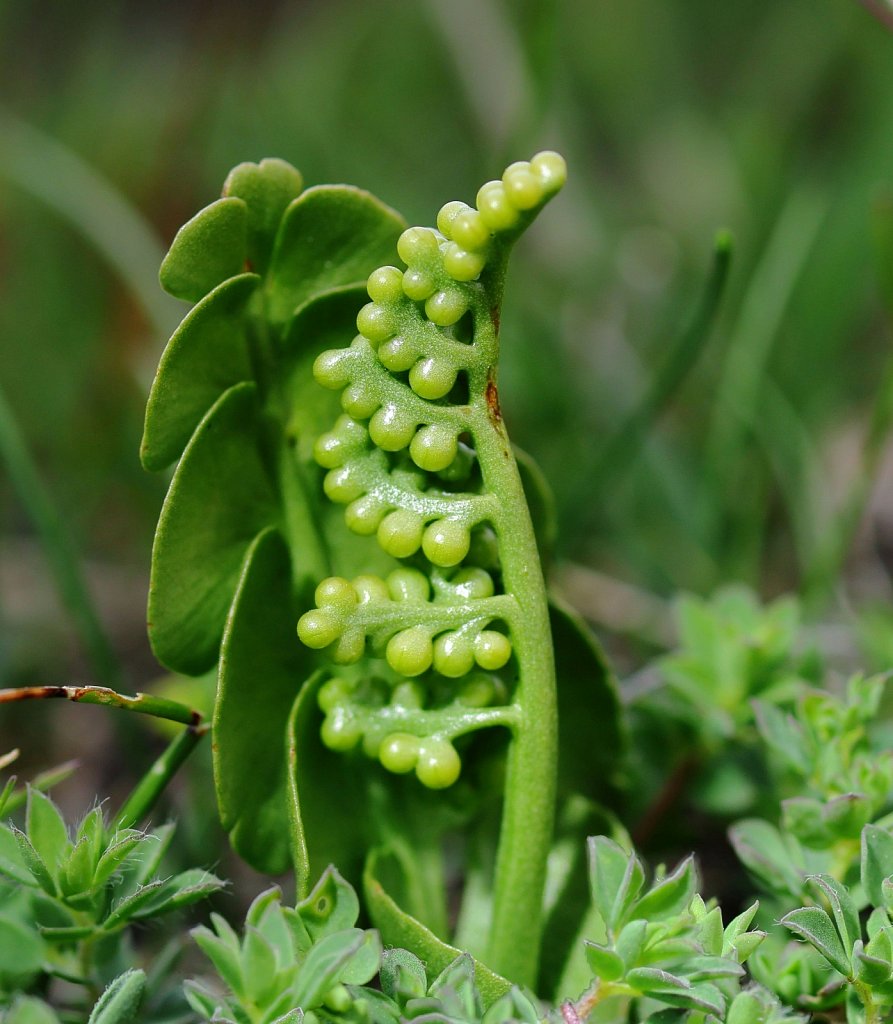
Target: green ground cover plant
405,718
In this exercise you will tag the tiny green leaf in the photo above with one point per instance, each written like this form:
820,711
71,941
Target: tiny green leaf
815,926
226,960
843,910
403,975
616,878
120,1002
332,906
605,963
46,829
34,863
669,895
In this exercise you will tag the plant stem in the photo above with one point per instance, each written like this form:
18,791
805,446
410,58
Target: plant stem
150,787
529,802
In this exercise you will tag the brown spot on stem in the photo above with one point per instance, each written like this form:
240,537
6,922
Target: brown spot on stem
494,318
493,401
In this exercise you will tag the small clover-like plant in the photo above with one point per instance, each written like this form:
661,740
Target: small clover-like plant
861,959
662,942
76,894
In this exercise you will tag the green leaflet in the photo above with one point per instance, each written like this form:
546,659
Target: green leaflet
220,498
591,738
206,355
319,780
250,720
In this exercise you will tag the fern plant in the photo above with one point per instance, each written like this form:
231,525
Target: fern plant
372,739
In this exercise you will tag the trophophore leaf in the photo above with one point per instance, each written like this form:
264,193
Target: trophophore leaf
591,736
331,235
207,250
318,780
219,500
250,728
206,355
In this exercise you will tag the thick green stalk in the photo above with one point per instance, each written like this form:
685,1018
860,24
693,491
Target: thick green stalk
529,802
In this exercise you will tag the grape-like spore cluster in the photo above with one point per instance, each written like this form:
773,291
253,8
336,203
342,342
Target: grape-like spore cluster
404,461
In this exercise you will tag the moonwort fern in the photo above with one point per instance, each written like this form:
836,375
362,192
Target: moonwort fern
372,739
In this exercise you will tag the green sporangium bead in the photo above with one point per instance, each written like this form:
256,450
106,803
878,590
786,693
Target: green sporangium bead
341,485
461,264
446,308
336,592
447,216
551,170
434,447
333,369
446,542
459,470
333,692
497,213
409,695
364,515
473,583
400,533
371,588
491,649
410,652
358,401
477,691
376,323
522,187
409,585
385,285
318,628
340,730
432,378
438,765
418,285
329,450
417,245
470,231
391,428
398,354
399,752
453,655
349,647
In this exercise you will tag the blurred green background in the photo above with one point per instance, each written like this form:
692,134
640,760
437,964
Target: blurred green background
677,117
